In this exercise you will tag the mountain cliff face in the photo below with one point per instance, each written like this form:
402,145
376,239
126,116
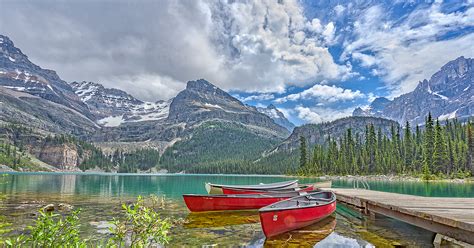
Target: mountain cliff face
449,93
38,113
202,100
374,109
277,116
112,107
17,72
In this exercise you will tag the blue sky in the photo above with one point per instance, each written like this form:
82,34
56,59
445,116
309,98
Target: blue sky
432,23
315,60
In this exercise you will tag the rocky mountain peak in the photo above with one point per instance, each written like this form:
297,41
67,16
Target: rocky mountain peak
19,74
209,93
113,107
374,108
277,116
200,85
7,44
271,106
202,101
447,94
380,101
456,68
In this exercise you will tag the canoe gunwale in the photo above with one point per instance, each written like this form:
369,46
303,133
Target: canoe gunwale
256,187
270,209
253,196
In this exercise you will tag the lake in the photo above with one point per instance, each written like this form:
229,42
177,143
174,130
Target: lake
100,197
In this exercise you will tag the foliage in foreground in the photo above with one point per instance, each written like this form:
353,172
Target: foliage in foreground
142,226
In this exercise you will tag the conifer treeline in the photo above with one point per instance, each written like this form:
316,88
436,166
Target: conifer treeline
12,156
15,138
437,149
126,162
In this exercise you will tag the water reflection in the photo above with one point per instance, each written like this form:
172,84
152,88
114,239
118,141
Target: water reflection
68,184
305,237
337,240
220,219
100,197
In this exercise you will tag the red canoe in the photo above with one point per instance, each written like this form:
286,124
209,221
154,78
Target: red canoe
296,212
301,188
199,203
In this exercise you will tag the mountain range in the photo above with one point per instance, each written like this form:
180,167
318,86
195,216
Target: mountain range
448,94
201,125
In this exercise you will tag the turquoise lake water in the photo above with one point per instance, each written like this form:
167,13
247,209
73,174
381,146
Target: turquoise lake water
100,197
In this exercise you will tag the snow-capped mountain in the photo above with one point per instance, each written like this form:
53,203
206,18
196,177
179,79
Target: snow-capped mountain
449,93
113,107
375,108
277,116
18,73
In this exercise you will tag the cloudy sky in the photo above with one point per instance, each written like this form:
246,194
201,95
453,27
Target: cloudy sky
314,60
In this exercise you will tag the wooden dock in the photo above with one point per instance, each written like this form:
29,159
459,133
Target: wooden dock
451,217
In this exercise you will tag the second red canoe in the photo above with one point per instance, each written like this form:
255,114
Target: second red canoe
200,203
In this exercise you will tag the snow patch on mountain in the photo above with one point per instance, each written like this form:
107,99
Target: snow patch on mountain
108,104
111,121
441,96
451,115
277,116
208,105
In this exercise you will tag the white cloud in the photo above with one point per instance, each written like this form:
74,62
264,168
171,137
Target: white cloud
339,9
366,60
259,97
307,115
140,85
261,46
409,50
318,114
371,97
328,93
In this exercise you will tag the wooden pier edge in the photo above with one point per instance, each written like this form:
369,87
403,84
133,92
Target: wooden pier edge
451,217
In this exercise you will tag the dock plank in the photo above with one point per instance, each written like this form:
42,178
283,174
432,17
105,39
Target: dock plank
450,216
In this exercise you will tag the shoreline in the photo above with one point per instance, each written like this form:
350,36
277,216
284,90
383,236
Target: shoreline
390,178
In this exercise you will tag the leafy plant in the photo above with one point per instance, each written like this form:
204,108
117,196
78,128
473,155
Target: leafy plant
141,227
51,230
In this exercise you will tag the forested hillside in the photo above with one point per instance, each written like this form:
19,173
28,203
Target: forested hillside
23,149
444,149
215,145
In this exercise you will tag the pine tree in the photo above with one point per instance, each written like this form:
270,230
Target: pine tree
428,146
407,147
440,156
371,149
470,144
303,153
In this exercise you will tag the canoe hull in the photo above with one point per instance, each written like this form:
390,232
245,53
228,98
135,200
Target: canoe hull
281,221
201,203
213,190
218,189
230,191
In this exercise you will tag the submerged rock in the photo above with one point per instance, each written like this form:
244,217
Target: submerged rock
48,208
65,206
